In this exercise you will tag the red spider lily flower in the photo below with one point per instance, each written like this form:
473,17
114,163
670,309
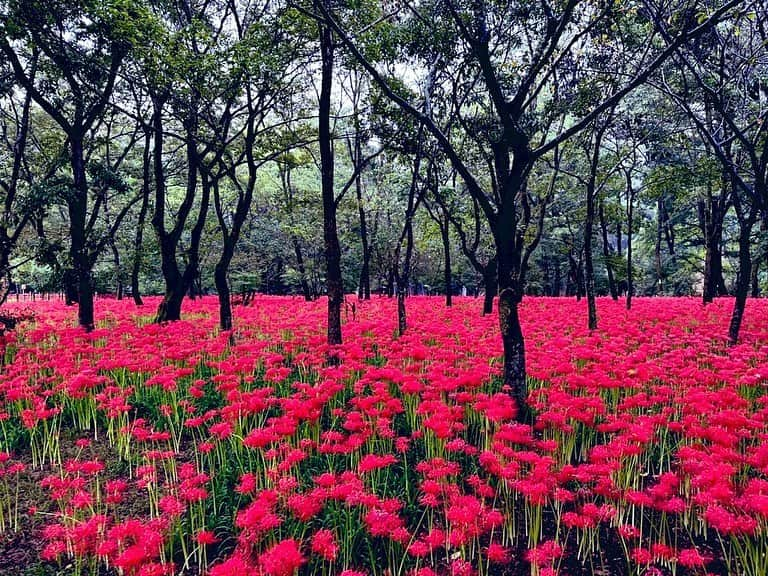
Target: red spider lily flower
692,558
324,544
371,462
235,564
282,559
497,553
545,553
205,538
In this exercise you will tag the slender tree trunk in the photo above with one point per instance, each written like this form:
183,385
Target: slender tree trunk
305,289
760,258
606,253
403,277
589,271
657,248
580,287
447,274
334,284
138,244
364,288
630,215
746,223
78,253
118,269
591,189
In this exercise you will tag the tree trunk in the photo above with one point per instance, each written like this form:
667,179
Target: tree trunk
743,277
510,296
118,270
138,244
334,286
589,271
447,274
761,257
606,254
222,288
403,277
364,288
305,289
78,253
630,213
657,248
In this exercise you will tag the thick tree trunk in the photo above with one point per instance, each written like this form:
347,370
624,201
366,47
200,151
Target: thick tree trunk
714,282
170,307
334,286
177,283
222,289
743,277
78,252
510,296
606,253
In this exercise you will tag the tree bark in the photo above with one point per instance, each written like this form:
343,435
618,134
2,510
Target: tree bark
364,289
447,273
761,257
491,283
746,222
118,269
630,215
138,244
77,206
606,254
334,286
657,248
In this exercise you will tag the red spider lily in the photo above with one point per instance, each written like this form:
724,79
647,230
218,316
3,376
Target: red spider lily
324,544
282,559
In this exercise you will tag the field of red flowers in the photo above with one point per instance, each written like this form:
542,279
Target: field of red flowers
145,450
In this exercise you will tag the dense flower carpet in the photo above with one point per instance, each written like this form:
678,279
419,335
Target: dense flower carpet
143,449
